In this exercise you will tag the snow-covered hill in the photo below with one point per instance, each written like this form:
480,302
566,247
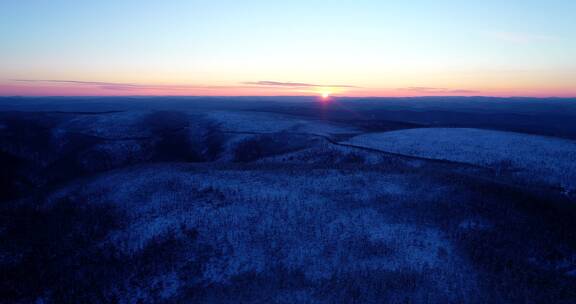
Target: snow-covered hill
549,160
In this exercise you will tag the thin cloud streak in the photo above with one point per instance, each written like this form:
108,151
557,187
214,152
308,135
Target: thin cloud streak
430,90
60,87
515,37
296,84
97,83
121,86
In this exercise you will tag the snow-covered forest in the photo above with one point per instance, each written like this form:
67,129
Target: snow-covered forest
223,200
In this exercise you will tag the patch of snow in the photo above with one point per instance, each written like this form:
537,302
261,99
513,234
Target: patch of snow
270,123
538,158
474,224
112,125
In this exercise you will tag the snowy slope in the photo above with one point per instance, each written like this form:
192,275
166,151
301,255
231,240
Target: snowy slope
545,159
268,122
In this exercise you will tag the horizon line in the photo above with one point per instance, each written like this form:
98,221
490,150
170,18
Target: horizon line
282,96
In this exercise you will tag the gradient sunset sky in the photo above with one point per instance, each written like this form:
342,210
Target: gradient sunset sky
297,47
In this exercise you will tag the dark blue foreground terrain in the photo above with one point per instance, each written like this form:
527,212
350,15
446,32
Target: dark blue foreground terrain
287,200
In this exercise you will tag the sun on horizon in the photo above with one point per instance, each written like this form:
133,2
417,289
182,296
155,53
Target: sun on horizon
250,48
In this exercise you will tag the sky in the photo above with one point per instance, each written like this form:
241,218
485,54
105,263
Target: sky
296,47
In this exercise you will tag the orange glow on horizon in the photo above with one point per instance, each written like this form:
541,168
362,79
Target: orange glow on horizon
47,89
